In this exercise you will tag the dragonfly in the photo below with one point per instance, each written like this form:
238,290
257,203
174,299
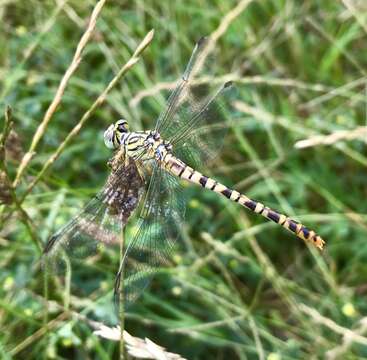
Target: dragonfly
146,174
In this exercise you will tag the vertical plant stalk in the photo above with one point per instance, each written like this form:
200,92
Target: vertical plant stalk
66,295
24,217
121,298
45,296
60,91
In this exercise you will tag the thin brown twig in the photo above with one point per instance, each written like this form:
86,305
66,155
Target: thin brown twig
98,102
60,91
8,124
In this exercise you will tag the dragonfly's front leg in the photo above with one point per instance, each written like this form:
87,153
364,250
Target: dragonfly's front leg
118,159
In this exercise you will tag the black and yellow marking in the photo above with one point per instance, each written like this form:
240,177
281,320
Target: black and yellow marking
180,169
177,167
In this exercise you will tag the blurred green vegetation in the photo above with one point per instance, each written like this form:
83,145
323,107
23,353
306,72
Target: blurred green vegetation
246,288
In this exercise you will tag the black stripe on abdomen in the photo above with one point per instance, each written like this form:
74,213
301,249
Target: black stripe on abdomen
203,180
273,216
292,225
181,171
251,204
305,231
227,193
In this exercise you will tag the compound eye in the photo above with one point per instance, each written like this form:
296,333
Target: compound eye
108,137
122,126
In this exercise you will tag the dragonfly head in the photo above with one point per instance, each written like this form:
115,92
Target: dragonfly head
114,133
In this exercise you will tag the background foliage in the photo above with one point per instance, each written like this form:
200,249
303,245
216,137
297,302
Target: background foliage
245,288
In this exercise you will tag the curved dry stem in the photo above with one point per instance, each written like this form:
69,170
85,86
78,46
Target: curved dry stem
99,101
340,135
60,91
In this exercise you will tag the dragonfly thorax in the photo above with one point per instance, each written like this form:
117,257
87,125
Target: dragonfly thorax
139,145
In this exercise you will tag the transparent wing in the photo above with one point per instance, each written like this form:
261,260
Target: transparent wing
195,116
203,123
100,222
157,236
178,94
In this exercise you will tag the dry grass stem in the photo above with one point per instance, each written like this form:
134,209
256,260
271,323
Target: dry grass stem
245,80
10,193
317,26
330,324
136,347
289,125
6,131
269,118
42,331
5,194
339,351
357,11
220,31
223,248
99,101
72,14
227,20
340,135
196,329
343,90
60,91
236,285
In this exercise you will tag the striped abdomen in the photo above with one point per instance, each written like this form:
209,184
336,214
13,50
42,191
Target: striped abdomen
180,169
